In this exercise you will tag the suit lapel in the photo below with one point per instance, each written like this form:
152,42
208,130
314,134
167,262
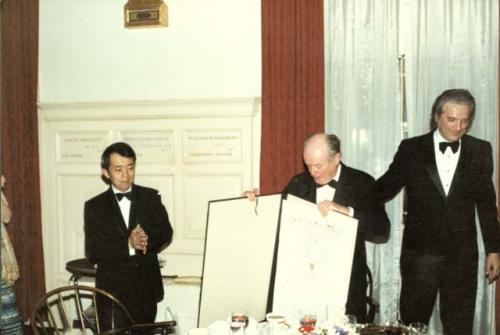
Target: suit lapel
429,157
132,220
310,191
459,176
340,196
116,213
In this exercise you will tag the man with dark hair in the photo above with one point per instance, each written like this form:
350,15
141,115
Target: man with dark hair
125,228
447,175
335,186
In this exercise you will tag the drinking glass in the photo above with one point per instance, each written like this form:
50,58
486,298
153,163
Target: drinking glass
308,322
351,322
238,322
276,324
418,328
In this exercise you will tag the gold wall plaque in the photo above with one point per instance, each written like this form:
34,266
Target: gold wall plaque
145,13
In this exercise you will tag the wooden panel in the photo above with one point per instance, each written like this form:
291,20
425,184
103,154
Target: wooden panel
217,163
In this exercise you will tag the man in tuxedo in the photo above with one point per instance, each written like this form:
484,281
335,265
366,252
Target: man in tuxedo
335,186
447,175
125,228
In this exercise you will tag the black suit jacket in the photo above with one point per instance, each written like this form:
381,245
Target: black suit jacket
352,190
436,223
135,280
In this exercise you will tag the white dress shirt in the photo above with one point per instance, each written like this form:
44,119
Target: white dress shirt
446,162
326,192
124,205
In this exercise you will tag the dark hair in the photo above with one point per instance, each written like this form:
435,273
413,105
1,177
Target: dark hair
456,95
331,140
121,148
333,144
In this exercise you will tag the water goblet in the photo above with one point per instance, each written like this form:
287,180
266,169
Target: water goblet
351,322
418,328
307,322
238,321
276,323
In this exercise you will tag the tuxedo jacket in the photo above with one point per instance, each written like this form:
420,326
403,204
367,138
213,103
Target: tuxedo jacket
352,190
136,279
442,224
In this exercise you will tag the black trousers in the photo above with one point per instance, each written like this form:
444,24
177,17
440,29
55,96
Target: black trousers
357,301
144,314
453,276
112,317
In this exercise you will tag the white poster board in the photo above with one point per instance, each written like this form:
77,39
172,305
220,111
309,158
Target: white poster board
314,261
239,248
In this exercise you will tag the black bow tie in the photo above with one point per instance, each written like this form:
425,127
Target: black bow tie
453,145
333,183
127,195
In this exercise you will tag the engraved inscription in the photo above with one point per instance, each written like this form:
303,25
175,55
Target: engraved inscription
151,146
81,147
211,146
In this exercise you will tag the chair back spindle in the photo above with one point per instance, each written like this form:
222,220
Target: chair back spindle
76,307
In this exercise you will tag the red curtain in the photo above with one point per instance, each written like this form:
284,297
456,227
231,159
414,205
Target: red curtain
497,291
19,128
292,86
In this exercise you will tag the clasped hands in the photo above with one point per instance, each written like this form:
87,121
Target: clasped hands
138,239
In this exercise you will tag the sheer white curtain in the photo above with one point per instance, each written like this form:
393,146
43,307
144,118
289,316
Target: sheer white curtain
446,43
361,98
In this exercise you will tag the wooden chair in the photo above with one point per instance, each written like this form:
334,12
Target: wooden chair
157,328
74,309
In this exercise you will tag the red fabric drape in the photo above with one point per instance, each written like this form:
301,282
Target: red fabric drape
497,292
292,86
19,128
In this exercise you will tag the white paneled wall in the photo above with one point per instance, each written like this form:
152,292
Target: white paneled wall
192,151
211,49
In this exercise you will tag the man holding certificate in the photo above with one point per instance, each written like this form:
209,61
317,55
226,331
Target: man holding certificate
334,186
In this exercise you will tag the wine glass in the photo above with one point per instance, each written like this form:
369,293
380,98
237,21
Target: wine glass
418,328
351,322
307,322
238,321
276,323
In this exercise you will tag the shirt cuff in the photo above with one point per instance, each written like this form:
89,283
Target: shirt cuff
351,212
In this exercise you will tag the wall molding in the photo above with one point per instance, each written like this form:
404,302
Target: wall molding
88,111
